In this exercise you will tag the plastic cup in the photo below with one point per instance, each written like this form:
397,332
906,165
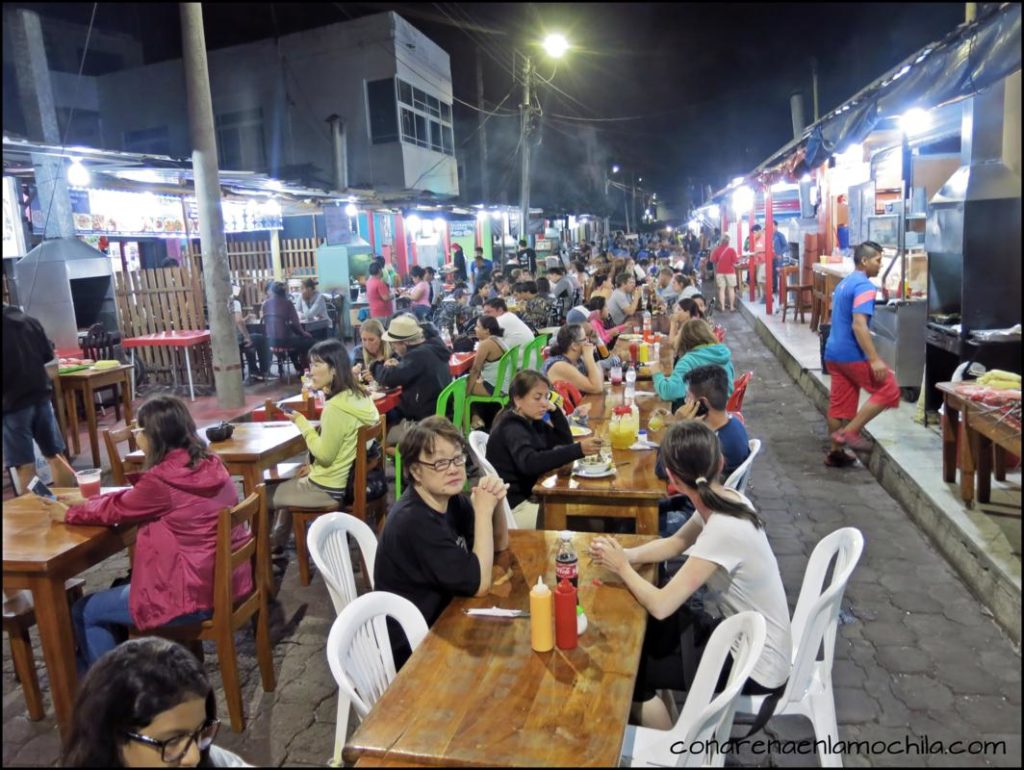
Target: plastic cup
89,482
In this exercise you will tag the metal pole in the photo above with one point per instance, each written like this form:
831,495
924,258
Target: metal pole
750,234
485,185
227,367
769,250
524,136
814,86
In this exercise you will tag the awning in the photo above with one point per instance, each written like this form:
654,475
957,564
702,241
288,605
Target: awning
969,59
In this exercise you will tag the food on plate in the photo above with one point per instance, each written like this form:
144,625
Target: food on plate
99,222
579,431
595,464
83,221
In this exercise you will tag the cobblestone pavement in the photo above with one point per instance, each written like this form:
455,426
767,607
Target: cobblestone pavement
918,656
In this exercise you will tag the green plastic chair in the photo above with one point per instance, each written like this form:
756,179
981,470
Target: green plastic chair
506,371
533,354
456,390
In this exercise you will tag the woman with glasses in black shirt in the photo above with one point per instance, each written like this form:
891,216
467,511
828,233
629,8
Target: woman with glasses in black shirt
438,542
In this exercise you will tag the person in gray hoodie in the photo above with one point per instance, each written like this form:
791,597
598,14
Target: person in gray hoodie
695,345
421,371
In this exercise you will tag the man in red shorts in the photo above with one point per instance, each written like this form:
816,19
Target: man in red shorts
852,360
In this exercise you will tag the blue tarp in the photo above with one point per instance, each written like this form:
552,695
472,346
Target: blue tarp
968,60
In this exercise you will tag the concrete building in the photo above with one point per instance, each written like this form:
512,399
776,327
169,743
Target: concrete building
389,85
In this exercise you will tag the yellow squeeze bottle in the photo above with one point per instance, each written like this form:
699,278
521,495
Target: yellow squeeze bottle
542,621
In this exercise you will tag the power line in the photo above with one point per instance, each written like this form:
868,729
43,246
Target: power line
508,114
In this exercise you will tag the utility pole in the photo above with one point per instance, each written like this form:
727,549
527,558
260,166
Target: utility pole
227,366
814,85
485,186
524,140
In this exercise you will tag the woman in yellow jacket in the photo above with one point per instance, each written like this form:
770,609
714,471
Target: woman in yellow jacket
347,409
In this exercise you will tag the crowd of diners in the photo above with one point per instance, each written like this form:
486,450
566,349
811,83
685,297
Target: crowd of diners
437,541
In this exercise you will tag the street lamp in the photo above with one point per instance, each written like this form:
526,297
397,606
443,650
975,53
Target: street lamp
555,45
615,169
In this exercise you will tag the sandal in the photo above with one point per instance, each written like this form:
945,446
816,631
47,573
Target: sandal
840,458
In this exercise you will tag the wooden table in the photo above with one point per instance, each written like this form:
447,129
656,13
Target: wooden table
983,430
826,276
186,338
475,694
87,382
39,555
253,448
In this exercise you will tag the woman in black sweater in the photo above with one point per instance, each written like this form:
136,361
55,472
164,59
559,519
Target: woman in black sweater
523,445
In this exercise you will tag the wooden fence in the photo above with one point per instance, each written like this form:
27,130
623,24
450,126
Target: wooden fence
162,300
298,257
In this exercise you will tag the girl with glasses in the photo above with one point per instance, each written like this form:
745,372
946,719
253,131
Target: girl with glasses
438,542
146,703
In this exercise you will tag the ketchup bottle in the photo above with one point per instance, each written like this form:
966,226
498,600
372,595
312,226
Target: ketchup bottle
565,616
634,351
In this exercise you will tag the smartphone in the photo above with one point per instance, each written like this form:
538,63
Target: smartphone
702,408
285,408
38,487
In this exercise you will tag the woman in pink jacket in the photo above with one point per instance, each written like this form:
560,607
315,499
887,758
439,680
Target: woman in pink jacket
175,504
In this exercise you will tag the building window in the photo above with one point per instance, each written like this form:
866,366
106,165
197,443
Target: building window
380,100
240,140
149,141
426,121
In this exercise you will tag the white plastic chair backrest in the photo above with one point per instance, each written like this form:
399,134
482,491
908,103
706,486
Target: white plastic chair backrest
816,616
707,717
329,548
738,478
478,443
359,648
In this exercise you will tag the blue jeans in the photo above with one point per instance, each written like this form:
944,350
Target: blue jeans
101,621
36,421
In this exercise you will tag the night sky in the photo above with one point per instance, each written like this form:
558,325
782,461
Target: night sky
711,81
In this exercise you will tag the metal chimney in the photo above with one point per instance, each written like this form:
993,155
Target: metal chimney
796,111
340,152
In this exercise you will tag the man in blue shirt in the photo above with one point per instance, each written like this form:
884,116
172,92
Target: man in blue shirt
852,360
781,248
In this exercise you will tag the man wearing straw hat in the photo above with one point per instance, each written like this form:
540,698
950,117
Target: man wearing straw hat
421,371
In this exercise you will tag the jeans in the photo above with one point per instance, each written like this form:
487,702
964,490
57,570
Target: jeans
101,622
36,421
260,347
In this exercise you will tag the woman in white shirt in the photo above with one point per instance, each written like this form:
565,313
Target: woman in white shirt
727,550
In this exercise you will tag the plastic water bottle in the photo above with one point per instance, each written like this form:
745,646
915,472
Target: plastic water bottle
630,385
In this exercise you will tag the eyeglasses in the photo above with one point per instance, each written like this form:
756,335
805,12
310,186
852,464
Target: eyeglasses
174,749
442,465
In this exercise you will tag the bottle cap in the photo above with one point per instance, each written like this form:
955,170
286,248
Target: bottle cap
541,587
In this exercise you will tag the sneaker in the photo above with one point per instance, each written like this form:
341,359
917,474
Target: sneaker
854,441
840,458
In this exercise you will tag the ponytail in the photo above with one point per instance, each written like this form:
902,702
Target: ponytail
692,452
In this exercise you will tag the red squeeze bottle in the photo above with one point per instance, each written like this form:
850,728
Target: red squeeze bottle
565,615
634,351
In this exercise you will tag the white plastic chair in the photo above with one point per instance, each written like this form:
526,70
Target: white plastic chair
738,478
815,620
329,548
706,717
359,653
478,443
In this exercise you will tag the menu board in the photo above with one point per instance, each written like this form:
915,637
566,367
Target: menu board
462,228
120,213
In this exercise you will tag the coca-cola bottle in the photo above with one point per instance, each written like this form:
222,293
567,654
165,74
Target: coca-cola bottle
566,561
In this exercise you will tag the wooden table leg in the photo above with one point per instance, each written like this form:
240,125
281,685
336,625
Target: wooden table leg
950,431
967,467
647,520
72,409
126,397
90,416
555,515
1000,462
983,458
55,632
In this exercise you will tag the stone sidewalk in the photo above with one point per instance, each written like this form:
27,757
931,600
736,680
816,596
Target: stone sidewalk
916,658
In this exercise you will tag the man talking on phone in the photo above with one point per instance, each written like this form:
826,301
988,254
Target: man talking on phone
706,397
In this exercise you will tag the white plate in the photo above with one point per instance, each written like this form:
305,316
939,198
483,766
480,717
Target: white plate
578,431
631,337
603,475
